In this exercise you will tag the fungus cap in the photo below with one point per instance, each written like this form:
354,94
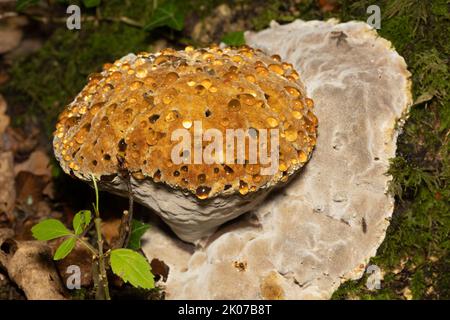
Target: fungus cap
125,118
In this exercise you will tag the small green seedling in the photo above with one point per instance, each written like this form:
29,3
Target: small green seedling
128,264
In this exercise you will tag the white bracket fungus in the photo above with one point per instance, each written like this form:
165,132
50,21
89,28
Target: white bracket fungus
322,228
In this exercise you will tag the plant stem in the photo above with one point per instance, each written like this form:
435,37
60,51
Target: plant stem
103,279
130,213
97,212
127,217
103,288
88,246
63,20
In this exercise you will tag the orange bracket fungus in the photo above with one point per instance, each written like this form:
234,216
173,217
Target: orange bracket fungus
204,133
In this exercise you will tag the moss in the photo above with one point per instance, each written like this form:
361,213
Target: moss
401,30
137,10
415,253
356,290
50,79
270,10
432,73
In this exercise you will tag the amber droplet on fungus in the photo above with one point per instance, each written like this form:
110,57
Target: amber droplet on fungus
130,111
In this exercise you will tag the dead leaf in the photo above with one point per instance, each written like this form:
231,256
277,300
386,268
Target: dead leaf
4,119
38,164
328,5
24,223
110,230
424,97
16,21
49,190
29,265
407,293
4,77
19,142
25,48
11,38
80,257
160,269
29,190
7,190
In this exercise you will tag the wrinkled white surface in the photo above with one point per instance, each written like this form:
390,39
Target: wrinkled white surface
304,241
190,218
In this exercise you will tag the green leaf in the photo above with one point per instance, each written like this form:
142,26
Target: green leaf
91,3
169,14
23,4
424,97
81,221
50,229
132,267
234,38
137,231
65,248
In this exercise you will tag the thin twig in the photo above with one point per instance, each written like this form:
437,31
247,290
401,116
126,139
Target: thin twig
6,15
122,19
102,277
130,212
127,217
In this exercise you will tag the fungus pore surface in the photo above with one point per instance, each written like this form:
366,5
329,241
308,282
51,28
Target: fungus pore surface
125,116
